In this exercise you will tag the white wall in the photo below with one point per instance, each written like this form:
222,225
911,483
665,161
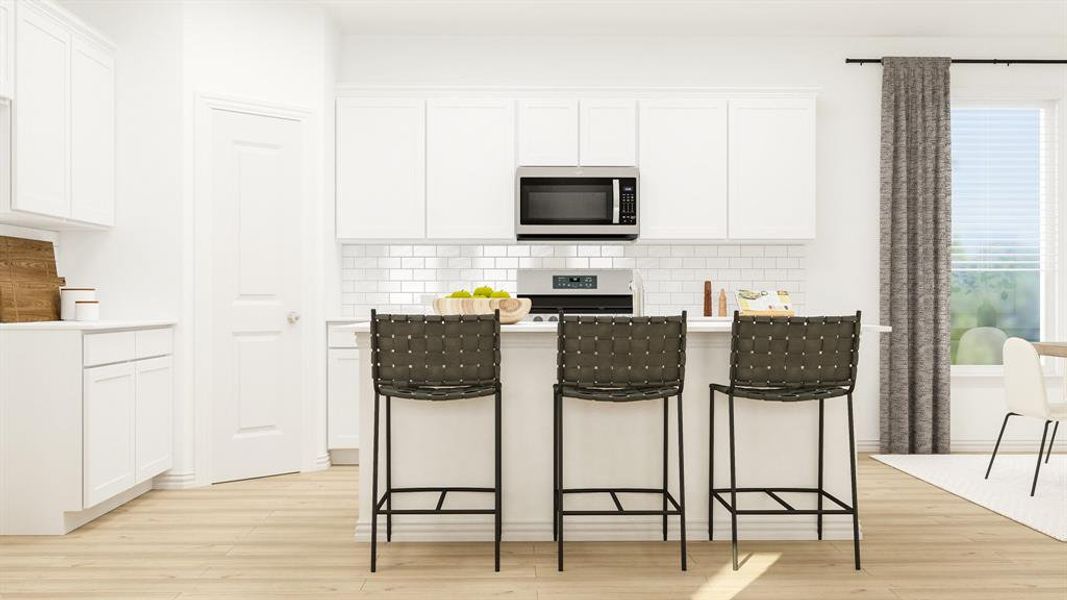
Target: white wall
842,263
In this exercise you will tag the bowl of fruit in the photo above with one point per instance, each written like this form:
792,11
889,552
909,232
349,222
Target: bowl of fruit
483,301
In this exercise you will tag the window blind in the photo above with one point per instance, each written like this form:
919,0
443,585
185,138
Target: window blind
1003,214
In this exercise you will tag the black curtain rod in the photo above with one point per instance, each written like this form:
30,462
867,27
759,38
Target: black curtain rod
979,61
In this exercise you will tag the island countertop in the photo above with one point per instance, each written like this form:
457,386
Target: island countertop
693,325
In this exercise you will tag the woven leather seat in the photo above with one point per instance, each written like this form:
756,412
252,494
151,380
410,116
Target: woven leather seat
620,359
783,394
606,394
435,358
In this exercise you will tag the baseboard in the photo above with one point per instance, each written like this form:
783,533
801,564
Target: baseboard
969,446
175,481
591,529
345,456
322,462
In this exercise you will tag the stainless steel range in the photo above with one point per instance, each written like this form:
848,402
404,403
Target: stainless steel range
580,291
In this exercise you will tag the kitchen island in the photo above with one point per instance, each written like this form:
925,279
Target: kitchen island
620,445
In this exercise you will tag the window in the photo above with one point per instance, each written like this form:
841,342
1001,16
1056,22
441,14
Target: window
1003,235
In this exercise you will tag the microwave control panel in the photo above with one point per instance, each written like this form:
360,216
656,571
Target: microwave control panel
628,201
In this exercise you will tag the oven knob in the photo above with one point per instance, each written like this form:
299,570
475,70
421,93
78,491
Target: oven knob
538,319
553,318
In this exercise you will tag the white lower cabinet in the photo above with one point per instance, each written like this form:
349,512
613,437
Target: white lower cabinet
343,398
87,418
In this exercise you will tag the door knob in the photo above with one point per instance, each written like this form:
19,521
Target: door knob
292,317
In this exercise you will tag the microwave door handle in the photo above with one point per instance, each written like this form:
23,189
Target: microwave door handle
615,201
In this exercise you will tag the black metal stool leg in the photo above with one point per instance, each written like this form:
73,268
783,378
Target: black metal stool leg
1040,451
388,468
499,515
555,467
374,493
733,486
711,466
1048,453
818,518
997,445
681,480
666,427
855,494
559,490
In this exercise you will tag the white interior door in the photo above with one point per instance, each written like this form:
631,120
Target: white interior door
256,196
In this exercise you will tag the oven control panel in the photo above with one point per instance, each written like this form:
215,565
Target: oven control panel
574,282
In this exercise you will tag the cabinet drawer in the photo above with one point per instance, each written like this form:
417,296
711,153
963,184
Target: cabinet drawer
104,348
154,342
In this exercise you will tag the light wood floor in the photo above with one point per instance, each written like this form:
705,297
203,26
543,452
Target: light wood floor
291,537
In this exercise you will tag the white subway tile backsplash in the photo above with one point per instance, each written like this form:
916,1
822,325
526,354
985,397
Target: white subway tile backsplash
406,278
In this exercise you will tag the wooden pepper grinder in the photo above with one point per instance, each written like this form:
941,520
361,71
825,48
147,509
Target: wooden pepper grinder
707,299
722,302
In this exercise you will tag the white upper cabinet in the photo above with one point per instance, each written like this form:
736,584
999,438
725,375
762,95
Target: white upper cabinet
548,132
470,161
683,169
772,168
381,168
608,132
7,47
92,121
42,113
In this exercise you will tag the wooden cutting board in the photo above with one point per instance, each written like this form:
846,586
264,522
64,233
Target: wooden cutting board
29,285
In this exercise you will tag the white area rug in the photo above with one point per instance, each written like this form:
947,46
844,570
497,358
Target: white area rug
1006,492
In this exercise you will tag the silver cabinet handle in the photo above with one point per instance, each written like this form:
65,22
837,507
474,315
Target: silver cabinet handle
292,317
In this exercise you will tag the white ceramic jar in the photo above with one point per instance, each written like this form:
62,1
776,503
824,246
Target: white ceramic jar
67,298
86,310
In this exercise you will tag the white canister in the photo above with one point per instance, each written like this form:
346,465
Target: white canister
86,310
67,298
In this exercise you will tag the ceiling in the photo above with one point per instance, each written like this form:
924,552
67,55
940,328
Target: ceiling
702,17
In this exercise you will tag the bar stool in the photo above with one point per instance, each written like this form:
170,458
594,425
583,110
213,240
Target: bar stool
434,358
619,359
789,359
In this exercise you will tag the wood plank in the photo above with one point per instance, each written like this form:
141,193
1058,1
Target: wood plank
1057,349
292,537
29,285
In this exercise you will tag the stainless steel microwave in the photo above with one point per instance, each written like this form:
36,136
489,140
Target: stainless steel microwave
576,203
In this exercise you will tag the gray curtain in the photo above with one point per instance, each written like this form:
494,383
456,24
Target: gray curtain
916,232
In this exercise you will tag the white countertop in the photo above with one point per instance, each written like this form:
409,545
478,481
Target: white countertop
85,325
694,325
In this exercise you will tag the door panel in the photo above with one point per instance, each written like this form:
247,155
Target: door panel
42,125
343,398
548,132
92,123
609,132
256,190
109,432
154,410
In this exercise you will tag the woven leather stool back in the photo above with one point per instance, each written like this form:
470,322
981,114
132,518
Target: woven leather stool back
794,352
432,350
623,352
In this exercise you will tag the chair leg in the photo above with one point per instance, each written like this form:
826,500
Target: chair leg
855,494
1040,451
711,466
733,484
681,481
665,439
559,488
996,446
555,467
818,518
499,507
1048,453
374,493
389,468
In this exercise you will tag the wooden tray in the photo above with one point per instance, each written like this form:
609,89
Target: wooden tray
29,286
512,310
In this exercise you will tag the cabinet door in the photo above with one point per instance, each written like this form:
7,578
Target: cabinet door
342,374
381,168
608,132
683,169
108,435
548,132
470,162
42,125
772,168
153,416
92,133
7,47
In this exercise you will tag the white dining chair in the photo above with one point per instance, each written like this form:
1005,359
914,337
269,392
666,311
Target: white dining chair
1024,389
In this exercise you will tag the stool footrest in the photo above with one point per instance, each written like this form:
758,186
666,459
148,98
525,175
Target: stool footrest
440,501
722,495
619,510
